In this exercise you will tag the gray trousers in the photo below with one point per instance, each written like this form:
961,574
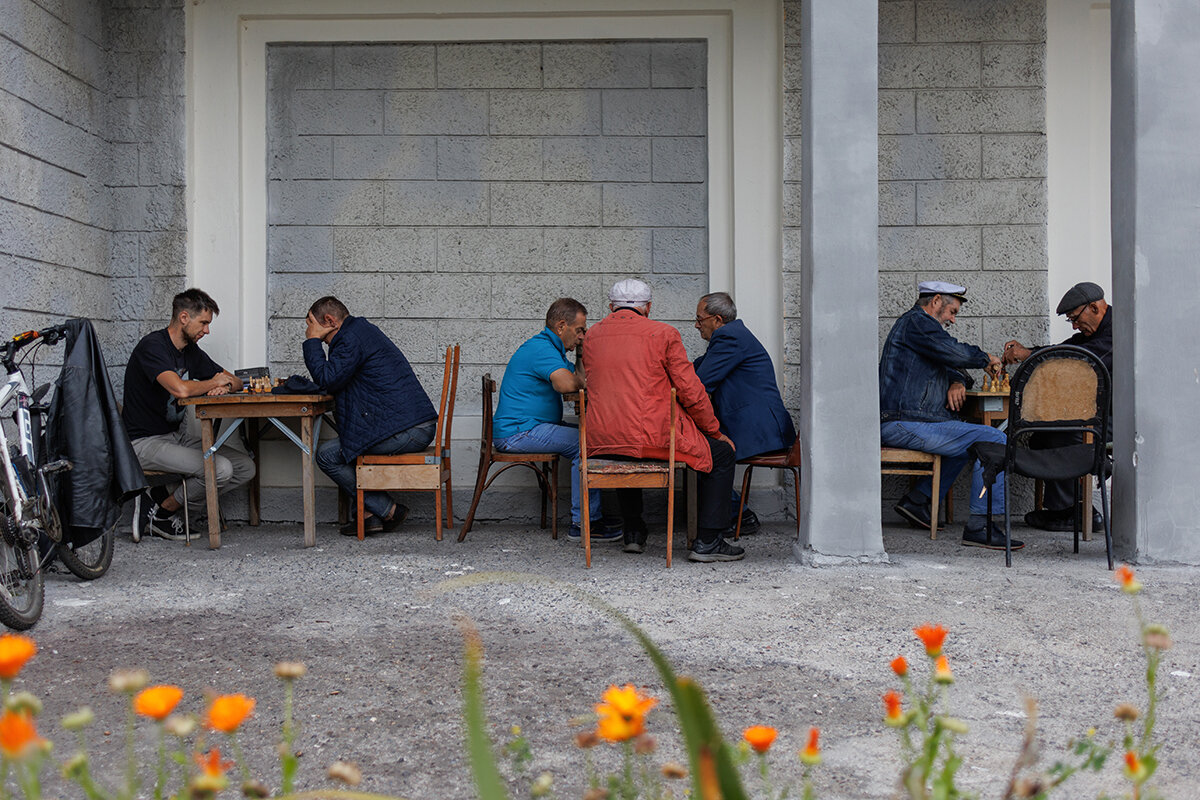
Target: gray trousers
180,452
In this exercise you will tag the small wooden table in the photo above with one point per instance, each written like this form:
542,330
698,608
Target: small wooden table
986,408
245,406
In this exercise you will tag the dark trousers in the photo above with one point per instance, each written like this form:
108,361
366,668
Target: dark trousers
714,488
1056,495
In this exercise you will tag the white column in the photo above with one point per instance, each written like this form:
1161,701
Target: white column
839,381
1156,243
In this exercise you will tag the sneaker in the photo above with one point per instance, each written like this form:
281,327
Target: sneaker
1060,520
750,523
974,535
604,529
163,524
916,514
717,550
635,541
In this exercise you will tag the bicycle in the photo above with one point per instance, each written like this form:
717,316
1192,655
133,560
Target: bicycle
31,531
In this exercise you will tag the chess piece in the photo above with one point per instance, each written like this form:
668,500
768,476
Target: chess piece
987,382
1004,387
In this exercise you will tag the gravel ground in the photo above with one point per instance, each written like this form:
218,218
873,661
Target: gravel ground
771,641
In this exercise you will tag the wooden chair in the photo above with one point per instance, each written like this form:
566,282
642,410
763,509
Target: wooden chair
543,465
897,461
604,473
783,459
416,472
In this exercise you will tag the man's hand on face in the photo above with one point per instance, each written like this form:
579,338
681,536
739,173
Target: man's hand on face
315,329
1015,352
955,397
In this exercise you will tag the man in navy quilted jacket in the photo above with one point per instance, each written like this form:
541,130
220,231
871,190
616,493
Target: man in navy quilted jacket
381,407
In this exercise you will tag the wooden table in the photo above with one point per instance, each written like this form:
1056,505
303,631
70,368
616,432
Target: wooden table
249,407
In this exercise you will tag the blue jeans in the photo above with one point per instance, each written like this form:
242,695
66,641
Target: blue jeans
950,440
548,437
333,463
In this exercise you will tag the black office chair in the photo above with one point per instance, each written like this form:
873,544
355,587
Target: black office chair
1061,389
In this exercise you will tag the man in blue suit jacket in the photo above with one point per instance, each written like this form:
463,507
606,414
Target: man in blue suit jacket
738,373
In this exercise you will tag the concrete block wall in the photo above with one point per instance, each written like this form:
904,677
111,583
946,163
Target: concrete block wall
450,192
91,166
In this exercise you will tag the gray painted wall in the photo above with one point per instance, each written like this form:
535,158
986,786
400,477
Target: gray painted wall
450,192
91,166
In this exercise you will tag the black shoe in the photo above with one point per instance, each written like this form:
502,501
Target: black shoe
1050,520
716,550
398,516
371,525
635,541
974,536
1097,521
163,524
916,514
750,523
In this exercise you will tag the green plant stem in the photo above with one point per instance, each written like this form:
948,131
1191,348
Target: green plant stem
287,757
130,756
628,787
239,756
161,772
764,773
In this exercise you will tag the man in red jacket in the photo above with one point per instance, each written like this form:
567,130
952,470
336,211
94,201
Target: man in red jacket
632,364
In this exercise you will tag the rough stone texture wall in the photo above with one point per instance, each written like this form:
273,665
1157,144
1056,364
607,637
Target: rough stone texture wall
91,165
962,161
450,192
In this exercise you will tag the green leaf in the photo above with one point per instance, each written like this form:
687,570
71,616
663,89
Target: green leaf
488,783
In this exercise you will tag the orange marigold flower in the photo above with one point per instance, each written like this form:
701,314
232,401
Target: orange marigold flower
18,735
1124,576
15,650
900,666
157,702
941,670
894,715
228,711
210,763
932,636
1135,770
760,737
811,754
622,713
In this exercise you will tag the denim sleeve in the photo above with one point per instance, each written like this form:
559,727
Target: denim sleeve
931,341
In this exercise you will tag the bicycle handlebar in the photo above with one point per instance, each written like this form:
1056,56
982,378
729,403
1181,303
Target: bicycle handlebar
51,335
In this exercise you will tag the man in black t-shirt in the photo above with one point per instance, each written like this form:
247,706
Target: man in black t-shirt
166,365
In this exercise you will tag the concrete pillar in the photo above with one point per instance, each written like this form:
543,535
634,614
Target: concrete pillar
1156,244
839,384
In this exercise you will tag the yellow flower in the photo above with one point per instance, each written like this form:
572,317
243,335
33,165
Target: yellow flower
622,713
811,754
15,650
1135,770
158,701
894,716
760,737
211,780
941,671
228,711
18,736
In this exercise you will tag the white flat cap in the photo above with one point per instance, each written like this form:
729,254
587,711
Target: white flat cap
941,287
630,291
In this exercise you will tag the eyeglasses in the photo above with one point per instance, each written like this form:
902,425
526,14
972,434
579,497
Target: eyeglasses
1074,318
702,319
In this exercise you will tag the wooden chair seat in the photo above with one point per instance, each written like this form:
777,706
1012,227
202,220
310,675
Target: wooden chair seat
543,465
414,472
601,466
788,459
898,461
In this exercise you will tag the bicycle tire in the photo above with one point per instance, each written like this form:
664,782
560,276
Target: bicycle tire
92,559
22,584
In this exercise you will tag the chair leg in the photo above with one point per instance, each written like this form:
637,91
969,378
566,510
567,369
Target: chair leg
1107,523
671,516
1076,516
187,517
585,520
437,510
358,495
737,531
935,493
544,486
553,468
480,482
1007,522
796,480
449,495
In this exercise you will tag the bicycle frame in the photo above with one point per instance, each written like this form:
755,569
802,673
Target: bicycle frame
15,387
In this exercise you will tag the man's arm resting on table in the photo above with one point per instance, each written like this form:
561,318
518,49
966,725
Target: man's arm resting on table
221,383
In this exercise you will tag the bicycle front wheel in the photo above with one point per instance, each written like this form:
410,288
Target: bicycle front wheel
91,560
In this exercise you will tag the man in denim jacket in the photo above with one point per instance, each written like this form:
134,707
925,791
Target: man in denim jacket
922,386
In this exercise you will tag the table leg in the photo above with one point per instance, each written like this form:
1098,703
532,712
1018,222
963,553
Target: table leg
210,486
306,471
252,431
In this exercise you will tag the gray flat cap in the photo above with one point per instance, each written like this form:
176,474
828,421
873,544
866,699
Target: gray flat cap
1078,295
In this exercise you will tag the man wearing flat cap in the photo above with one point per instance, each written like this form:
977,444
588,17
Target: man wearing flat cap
922,386
632,364
1085,308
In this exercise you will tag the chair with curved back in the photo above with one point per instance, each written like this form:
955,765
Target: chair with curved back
414,472
543,465
781,459
1060,389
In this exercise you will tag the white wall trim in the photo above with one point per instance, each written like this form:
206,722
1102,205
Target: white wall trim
226,118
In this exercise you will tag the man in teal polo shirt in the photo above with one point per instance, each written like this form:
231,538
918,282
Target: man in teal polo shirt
529,413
